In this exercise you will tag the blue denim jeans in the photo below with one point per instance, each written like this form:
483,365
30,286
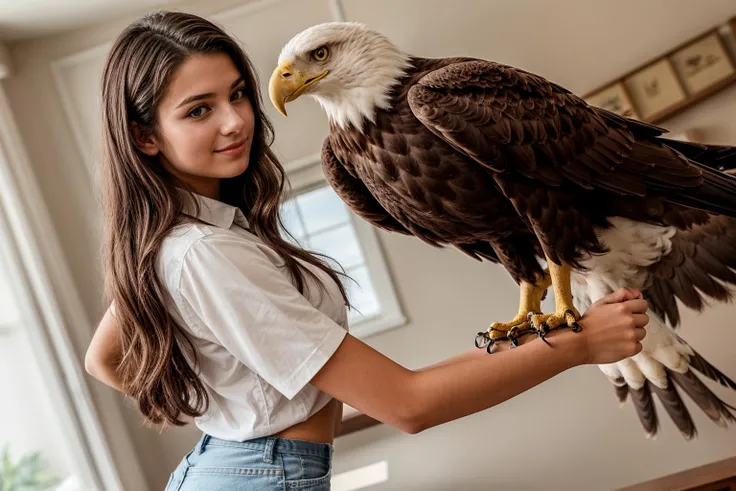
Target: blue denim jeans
264,464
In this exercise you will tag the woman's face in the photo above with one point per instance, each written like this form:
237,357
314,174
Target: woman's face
205,123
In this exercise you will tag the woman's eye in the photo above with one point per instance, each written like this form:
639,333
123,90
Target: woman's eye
197,112
239,94
320,54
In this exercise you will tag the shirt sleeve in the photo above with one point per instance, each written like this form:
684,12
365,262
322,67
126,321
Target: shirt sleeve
230,287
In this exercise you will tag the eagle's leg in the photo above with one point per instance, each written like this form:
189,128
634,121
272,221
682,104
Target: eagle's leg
565,313
530,303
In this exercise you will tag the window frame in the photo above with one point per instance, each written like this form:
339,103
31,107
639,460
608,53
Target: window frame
305,175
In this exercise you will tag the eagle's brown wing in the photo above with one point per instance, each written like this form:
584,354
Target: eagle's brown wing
518,123
354,193
698,265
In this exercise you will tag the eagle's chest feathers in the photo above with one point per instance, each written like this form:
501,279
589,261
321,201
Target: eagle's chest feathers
411,171
633,247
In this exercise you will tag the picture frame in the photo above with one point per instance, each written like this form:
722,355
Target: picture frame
614,98
703,63
655,88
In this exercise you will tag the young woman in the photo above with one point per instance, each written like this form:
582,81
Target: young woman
215,317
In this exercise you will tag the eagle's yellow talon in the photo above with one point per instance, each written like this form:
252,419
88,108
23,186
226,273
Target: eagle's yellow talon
568,317
500,329
530,303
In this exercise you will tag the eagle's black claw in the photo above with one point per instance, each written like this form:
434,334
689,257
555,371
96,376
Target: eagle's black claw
542,332
482,339
513,334
489,347
575,326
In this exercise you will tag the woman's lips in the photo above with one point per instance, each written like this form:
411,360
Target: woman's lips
232,150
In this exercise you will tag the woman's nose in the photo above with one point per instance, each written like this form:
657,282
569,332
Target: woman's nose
233,122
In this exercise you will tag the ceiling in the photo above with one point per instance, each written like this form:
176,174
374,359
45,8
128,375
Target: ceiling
25,19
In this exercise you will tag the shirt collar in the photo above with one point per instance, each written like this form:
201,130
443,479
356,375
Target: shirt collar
212,211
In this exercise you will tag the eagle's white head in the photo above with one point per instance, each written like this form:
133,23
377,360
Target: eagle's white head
347,67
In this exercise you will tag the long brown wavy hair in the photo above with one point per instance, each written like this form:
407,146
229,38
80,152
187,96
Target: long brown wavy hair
141,206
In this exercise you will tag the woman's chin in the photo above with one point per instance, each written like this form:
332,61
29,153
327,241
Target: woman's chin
236,169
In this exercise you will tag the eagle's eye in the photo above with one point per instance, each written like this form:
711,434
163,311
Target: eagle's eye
320,54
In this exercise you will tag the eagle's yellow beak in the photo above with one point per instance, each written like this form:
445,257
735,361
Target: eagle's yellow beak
287,84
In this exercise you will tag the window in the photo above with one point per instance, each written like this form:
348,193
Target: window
29,423
320,221
8,311
49,431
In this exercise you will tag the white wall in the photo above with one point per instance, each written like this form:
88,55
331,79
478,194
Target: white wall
519,444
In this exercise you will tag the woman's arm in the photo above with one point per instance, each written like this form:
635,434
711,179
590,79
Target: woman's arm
416,400
104,352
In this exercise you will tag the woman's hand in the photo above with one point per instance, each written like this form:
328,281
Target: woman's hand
613,327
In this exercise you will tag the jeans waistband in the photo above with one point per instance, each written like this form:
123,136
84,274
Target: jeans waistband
269,444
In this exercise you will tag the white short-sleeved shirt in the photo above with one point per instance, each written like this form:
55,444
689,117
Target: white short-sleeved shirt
259,341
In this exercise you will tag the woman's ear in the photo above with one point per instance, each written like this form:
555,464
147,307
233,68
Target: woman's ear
144,141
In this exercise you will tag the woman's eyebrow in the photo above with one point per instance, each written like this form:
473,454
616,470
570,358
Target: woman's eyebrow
199,97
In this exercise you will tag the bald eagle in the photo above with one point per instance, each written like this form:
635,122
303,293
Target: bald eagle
511,168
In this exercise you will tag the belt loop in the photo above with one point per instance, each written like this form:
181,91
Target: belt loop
268,451
202,443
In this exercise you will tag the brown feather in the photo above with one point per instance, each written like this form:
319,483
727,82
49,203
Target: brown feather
645,409
622,389
698,266
355,194
718,411
701,364
678,412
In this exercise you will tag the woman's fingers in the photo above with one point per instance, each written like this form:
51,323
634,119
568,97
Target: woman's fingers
621,295
640,320
641,333
637,306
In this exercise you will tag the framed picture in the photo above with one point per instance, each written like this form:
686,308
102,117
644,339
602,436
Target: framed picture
654,88
613,98
703,63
